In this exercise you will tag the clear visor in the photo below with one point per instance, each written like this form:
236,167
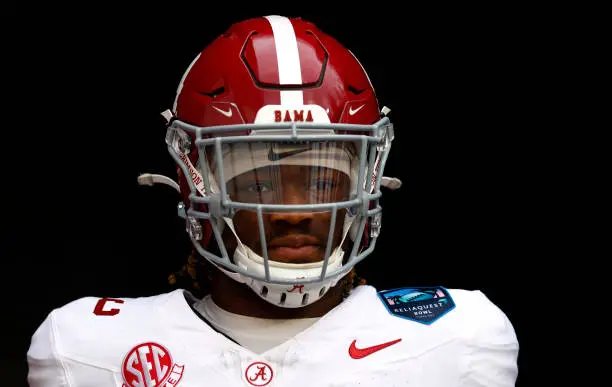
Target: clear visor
286,173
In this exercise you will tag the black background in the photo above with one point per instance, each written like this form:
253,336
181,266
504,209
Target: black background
86,95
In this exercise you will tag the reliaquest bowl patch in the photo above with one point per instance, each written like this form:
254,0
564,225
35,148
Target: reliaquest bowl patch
420,304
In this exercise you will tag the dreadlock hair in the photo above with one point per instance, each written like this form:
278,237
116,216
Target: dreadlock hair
196,274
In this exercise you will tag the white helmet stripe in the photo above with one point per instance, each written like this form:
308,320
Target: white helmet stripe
288,57
180,86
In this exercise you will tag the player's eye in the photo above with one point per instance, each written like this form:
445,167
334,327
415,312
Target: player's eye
259,187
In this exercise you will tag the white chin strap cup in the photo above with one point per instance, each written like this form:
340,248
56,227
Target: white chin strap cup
287,296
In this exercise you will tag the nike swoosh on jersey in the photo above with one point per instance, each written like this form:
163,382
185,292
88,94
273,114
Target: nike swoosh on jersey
359,353
277,156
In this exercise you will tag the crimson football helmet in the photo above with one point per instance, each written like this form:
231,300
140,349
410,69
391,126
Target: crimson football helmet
269,92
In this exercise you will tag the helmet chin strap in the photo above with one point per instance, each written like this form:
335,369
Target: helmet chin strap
284,295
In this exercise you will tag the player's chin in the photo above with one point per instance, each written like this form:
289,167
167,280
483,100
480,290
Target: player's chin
302,254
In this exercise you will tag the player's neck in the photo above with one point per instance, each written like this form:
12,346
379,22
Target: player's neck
238,298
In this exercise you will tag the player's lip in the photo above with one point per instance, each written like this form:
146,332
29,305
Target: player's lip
294,241
302,254
295,249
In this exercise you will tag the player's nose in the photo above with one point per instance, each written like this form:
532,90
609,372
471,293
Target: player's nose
292,195
293,218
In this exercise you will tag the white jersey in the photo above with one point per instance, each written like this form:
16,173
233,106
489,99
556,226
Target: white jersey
405,337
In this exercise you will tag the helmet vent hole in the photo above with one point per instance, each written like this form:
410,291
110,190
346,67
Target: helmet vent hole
283,298
215,93
264,291
355,90
322,291
305,299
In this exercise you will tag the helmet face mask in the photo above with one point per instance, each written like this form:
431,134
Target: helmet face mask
280,180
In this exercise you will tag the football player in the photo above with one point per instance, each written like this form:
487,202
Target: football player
280,146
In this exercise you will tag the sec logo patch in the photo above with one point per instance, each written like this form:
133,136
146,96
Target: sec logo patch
150,365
